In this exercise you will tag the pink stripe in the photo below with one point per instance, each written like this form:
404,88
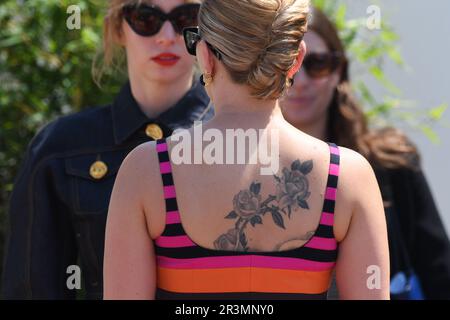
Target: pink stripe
327,219
169,192
174,242
330,194
334,169
161,147
334,150
322,243
244,261
165,167
173,217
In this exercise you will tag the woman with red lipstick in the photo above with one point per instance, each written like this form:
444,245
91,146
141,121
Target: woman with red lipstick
321,104
60,200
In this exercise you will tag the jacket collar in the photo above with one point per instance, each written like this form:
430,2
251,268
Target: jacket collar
128,117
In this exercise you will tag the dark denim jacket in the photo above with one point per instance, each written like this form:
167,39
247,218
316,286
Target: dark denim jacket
58,211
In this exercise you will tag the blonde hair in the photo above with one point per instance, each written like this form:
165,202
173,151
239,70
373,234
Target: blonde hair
259,40
111,57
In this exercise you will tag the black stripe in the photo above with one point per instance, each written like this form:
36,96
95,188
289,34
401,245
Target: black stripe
161,141
328,206
334,158
163,156
199,252
168,295
332,181
176,229
167,179
173,230
325,231
171,204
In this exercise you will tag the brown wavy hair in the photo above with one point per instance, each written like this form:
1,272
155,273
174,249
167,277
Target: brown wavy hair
347,124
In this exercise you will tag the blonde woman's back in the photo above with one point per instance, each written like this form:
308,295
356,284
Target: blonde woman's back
201,215
226,231
208,193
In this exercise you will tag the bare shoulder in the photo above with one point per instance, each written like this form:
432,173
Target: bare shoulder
139,179
140,163
355,178
355,171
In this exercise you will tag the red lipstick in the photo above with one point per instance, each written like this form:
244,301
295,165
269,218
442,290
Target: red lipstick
166,59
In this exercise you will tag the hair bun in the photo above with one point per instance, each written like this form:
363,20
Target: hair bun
260,40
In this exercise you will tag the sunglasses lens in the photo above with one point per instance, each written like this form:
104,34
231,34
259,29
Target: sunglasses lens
191,38
143,20
147,21
185,16
320,65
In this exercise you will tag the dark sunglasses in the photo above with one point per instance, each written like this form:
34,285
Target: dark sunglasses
319,65
148,20
192,37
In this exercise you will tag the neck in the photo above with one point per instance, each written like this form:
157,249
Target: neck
235,106
155,97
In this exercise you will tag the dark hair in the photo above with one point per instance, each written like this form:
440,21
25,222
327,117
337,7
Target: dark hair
347,124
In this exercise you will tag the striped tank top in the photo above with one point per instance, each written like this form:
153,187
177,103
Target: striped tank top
188,271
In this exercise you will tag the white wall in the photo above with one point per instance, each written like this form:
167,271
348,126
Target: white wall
424,28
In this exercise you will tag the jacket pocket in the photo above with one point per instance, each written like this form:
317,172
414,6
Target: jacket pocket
91,195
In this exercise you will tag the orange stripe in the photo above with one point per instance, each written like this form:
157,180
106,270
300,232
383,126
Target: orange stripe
243,280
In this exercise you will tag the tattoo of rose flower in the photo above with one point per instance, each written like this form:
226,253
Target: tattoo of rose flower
293,186
292,193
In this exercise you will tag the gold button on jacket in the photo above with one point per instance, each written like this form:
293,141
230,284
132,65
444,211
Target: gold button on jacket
154,131
98,170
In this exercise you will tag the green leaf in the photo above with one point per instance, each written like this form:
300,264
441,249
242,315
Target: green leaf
430,134
340,16
11,41
379,75
437,113
395,56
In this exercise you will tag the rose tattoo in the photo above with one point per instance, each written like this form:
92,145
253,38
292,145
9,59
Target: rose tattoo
292,193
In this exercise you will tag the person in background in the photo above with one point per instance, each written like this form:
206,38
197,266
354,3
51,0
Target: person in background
321,103
234,231
60,200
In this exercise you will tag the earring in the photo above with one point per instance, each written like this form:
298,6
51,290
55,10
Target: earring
206,79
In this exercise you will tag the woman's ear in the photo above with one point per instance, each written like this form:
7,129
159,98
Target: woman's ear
205,58
298,60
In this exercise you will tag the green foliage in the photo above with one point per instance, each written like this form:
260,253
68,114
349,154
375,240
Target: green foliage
370,50
45,71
